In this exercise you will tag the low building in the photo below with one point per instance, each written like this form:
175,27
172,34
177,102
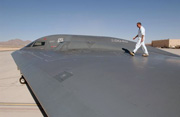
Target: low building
167,43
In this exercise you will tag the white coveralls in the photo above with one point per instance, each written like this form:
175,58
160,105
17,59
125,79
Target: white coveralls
141,32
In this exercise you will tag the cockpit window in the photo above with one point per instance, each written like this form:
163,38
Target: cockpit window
29,45
38,44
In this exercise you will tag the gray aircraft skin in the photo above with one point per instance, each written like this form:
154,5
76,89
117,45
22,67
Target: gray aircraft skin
93,76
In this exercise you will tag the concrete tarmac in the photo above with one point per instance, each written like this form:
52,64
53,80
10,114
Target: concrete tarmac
15,98
174,51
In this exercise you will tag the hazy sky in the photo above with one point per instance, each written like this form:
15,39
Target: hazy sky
32,19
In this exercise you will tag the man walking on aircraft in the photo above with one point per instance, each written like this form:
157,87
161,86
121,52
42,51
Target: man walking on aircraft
140,42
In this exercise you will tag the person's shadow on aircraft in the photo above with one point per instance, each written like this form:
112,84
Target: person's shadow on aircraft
126,50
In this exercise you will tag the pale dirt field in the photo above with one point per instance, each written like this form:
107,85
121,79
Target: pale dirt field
8,49
15,99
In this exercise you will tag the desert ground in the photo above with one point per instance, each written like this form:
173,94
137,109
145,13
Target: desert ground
15,98
8,49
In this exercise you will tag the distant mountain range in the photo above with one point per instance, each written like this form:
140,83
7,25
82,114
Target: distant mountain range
14,43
